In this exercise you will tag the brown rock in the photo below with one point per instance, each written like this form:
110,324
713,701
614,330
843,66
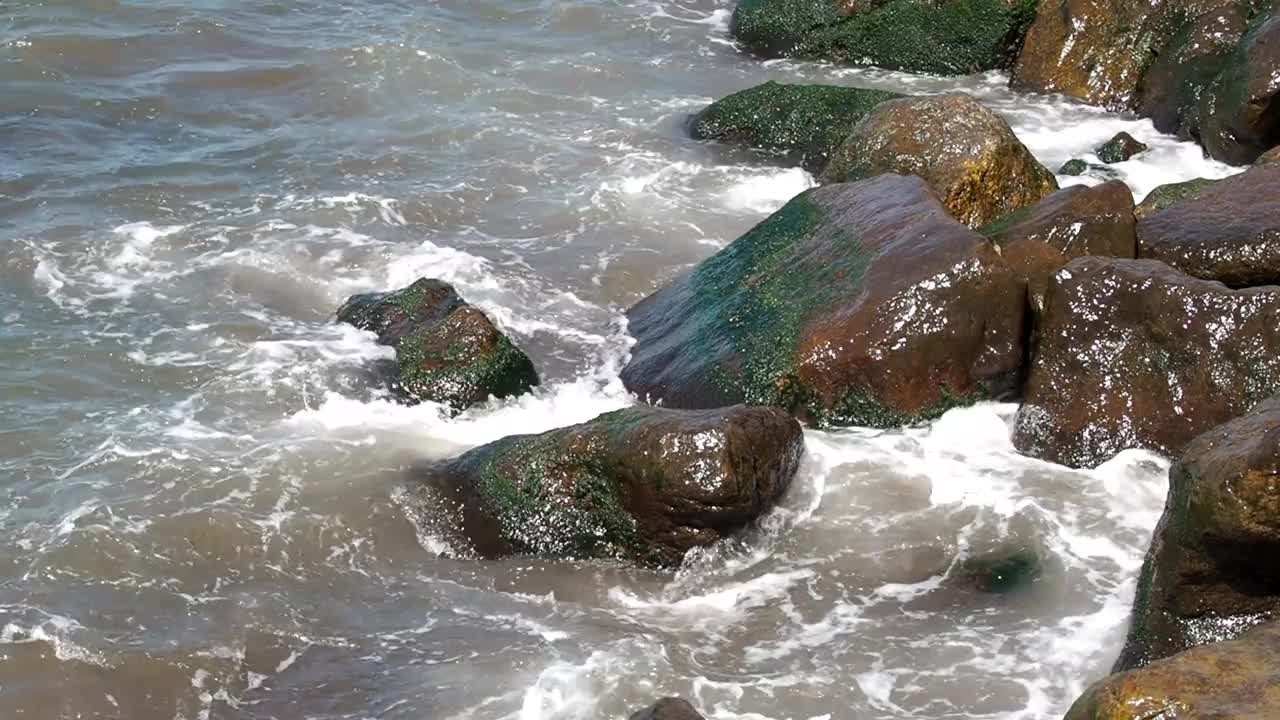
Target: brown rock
668,709
855,304
1210,573
966,152
1227,231
1133,354
1240,110
1270,156
1070,223
1237,680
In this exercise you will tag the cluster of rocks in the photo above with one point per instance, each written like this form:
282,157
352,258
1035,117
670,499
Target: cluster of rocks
1200,69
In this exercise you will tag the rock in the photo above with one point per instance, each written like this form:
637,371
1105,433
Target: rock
668,709
1210,573
1240,110
855,304
1133,354
967,153
447,351
944,37
1227,231
805,121
1003,571
644,484
1073,167
1119,148
1236,680
1270,156
1070,223
1166,196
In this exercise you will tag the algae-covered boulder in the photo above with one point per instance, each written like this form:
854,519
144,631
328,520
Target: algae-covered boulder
1227,231
668,709
644,484
1073,167
1240,110
447,351
1235,680
966,152
1070,223
1134,354
1210,572
1166,196
806,122
1119,148
855,304
945,37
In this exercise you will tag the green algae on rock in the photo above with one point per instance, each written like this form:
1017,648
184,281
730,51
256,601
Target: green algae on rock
1073,167
1134,354
1210,573
643,484
967,153
1228,230
855,304
805,121
1240,110
1119,148
1166,196
447,351
1233,680
950,37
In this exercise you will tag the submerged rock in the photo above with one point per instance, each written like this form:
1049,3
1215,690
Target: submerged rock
855,304
1133,354
966,152
1210,573
447,351
946,37
1070,223
668,709
1119,148
805,121
1236,680
1073,167
1166,196
1227,231
1240,110
645,484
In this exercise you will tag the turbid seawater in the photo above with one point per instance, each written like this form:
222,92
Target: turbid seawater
200,479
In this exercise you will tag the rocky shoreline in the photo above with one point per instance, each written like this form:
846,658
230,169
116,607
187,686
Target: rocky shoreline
937,265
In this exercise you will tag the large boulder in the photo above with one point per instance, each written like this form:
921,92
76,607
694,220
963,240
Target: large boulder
1073,222
806,122
855,304
1210,573
668,709
945,37
1134,354
1236,680
1227,231
966,152
643,484
447,351
1170,194
1240,110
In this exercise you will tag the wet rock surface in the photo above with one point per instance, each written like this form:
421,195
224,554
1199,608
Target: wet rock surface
1240,110
1270,156
668,709
855,304
966,152
1073,167
447,351
643,484
1166,196
1228,230
1210,573
1235,680
1119,148
807,122
1073,222
951,37
1134,354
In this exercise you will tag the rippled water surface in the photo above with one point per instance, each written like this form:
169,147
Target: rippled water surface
198,480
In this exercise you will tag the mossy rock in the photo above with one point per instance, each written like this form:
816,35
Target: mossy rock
806,122
966,152
1240,110
952,37
1166,196
1073,167
447,351
1003,571
855,304
1119,148
643,484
